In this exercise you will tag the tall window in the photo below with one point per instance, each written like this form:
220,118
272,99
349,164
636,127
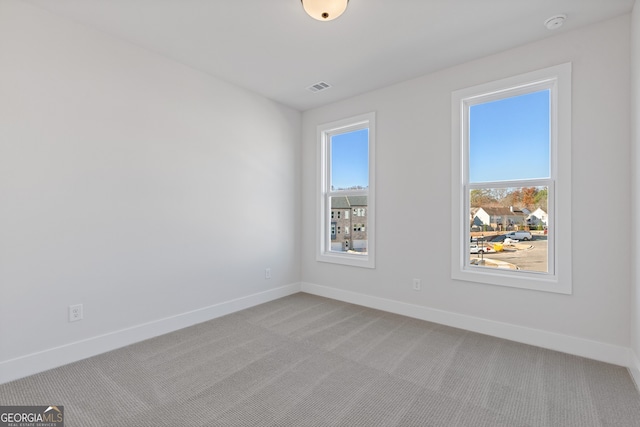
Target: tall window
346,182
511,181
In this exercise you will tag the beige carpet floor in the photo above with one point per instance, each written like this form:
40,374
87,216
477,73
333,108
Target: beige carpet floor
304,360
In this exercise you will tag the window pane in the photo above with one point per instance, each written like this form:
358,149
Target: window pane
509,228
350,160
349,232
509,139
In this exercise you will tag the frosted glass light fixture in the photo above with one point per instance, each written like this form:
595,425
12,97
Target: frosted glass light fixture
324,10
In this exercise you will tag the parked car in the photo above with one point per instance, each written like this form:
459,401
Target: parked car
519,235
475,249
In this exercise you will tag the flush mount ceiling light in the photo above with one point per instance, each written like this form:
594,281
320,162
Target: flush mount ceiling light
324,10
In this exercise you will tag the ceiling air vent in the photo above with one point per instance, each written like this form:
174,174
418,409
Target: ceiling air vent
319,86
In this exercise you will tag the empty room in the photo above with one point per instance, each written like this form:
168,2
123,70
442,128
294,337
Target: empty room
319,212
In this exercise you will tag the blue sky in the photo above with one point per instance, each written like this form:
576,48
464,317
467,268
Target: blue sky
509,138
350,159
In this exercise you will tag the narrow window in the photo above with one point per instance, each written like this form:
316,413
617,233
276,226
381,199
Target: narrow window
346,183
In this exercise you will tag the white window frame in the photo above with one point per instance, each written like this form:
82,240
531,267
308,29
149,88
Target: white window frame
324,134
558,279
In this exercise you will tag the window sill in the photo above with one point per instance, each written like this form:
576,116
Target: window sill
353,260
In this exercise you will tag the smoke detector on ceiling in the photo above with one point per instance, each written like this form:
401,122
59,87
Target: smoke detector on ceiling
555,22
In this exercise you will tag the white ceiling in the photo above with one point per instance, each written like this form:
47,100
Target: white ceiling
272,47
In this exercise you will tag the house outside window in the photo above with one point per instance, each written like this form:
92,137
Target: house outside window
346,184
511,151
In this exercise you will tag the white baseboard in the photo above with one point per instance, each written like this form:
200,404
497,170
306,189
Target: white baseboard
595,350
634,369
51,358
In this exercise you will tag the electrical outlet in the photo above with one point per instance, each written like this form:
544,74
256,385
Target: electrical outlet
267,273
75,312
417,284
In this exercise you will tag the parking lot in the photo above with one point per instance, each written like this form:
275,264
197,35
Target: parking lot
530,256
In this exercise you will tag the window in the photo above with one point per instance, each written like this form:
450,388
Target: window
346,184
511,151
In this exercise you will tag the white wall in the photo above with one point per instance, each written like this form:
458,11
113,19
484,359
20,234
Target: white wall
635,207
413,200
134,185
